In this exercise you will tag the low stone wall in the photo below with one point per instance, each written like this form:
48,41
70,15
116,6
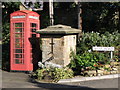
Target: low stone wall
112,68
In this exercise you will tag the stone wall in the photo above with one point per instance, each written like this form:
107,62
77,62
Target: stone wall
58,42
54,55
62,47
69,46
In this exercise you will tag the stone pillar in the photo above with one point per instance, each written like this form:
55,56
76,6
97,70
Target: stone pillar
57,43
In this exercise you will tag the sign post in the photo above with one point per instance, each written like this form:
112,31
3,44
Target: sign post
111,54
111,49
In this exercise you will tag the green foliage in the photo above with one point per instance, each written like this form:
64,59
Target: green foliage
62,74
87,60
40,73
96,16
54,74
10,7
100,16
89,40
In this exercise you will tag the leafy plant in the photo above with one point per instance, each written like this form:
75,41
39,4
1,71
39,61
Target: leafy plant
87,60
54,74
89,40
9,8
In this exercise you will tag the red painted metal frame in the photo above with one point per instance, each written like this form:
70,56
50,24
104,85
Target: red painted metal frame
26,19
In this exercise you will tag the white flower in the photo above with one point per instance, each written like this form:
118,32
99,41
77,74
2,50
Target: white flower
48,65
40,65
98,33
89,50
52,65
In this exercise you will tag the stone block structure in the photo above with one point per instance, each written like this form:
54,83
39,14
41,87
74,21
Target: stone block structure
57,43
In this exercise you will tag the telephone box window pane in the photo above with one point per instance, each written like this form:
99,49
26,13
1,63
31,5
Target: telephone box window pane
18,51
18,24
18,61
17,40
33,35
18,35
18,45
18,55
33,30
18,30
33,25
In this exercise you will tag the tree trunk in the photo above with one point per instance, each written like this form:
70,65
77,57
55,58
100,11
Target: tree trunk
79,16
79,20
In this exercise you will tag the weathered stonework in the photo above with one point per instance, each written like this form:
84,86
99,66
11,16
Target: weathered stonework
57,43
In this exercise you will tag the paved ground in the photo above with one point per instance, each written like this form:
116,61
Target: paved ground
21,80
16,80
106,83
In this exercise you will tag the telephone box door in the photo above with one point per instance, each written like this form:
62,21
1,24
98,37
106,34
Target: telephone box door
17,47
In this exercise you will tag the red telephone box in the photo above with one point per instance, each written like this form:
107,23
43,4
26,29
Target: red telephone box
23,24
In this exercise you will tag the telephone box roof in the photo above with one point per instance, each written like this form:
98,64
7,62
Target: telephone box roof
25,11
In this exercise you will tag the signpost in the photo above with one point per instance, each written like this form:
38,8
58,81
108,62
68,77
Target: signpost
103,48
111,49
51,12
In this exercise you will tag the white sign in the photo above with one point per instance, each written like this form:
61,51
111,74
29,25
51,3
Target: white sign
103,48
22,16
33,17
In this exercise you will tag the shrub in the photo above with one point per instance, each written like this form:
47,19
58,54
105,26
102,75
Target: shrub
53,74
87,60
89,40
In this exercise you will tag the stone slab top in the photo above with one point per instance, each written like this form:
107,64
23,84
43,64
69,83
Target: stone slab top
59,29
